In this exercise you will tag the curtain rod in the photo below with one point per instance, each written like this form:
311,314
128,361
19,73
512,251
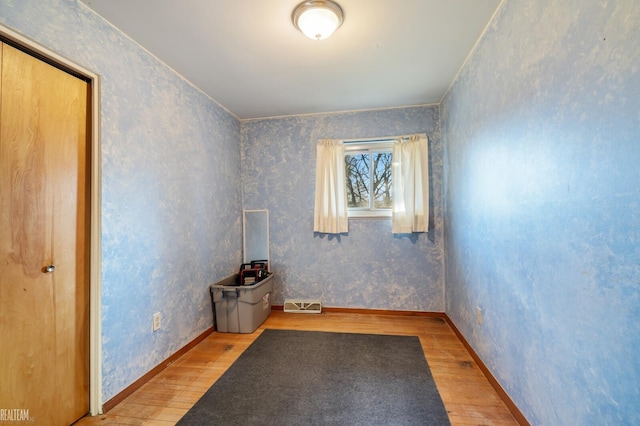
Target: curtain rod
381,138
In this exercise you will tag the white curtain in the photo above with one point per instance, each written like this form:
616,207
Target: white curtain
330,214
410,175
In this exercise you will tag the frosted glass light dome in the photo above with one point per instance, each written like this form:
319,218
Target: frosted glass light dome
317,19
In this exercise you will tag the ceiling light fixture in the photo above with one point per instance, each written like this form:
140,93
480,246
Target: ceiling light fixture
317,19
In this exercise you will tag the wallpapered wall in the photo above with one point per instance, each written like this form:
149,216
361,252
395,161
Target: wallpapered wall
369,267
171,199
542,187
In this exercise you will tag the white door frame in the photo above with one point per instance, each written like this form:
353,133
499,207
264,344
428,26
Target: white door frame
95,285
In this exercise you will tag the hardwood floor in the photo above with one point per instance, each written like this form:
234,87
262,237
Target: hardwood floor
466,392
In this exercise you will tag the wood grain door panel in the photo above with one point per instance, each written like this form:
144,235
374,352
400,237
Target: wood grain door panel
43,221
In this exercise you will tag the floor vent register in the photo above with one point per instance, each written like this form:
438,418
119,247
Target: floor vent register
303,306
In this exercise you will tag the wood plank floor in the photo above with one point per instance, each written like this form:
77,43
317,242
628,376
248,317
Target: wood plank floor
467,394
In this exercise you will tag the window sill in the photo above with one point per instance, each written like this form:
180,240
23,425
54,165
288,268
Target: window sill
367,214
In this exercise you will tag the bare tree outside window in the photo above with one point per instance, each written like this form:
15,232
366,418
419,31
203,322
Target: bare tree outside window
357,173
382,180
369,180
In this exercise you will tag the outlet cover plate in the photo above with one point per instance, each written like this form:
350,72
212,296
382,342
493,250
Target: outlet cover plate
156,321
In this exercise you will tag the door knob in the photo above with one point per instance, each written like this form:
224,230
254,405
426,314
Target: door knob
48,269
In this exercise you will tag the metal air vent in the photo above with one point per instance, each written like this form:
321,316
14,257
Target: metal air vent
303,306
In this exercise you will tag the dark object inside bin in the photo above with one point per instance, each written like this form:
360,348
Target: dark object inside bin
260,264
252,273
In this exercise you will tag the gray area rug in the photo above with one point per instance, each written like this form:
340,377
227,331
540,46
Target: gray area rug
314,378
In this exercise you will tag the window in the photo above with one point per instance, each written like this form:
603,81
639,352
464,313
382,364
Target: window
368,178
359,171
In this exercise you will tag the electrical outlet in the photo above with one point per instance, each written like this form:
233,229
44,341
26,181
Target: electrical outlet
156,321
479,315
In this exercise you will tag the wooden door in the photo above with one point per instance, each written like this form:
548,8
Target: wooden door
44,315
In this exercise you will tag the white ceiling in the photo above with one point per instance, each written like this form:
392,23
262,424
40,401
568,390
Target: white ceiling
248,56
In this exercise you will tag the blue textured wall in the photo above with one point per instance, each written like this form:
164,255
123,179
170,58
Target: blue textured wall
171,200
542,213
369,267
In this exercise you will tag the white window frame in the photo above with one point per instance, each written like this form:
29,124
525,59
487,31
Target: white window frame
368,146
